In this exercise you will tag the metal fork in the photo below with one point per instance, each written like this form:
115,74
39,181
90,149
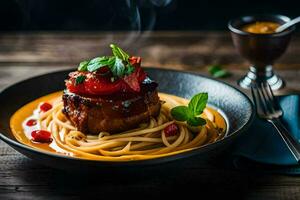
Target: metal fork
267,108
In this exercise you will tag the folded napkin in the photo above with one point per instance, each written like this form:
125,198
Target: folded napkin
262,148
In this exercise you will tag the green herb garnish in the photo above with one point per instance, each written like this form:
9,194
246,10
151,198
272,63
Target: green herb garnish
83,66
99,62
129,69
118,52
118,63
118,67
217,71
79,79
191,113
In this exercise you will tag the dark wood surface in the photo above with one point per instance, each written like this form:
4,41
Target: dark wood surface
24,55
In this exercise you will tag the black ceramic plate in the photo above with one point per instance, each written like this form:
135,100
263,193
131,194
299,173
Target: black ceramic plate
236,107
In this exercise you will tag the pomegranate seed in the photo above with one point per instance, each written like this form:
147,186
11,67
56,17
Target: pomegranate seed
45,107
31,122
41,136
171,130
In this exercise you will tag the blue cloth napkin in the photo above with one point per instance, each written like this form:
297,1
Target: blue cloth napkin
262,149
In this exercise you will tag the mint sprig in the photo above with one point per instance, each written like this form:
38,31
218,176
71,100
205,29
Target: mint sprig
118,64
191,113
198,103
83,66
118,67
181,113
118,52
99,62
196,121
218,72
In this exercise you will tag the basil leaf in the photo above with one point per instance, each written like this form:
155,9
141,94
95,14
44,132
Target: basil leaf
83,66
217,71
196,121
79,79
221,74
180,113
118,68
99,62
214,68
129,69
198,103
118,52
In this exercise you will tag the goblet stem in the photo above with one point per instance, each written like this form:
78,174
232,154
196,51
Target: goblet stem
261,74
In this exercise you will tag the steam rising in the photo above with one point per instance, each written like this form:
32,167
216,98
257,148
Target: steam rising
137,17
138,22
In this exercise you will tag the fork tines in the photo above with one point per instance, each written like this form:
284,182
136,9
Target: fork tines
266,105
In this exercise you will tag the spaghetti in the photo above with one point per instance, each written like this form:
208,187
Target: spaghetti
147,141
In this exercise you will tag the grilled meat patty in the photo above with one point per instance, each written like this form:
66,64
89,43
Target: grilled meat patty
112,113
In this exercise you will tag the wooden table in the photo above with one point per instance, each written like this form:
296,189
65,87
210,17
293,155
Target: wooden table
24,55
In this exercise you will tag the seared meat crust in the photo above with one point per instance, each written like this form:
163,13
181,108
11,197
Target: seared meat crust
112,113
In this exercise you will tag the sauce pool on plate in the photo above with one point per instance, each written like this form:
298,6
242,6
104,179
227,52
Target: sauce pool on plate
27,129
261,27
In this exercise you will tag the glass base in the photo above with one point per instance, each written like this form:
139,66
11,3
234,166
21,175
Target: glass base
268,75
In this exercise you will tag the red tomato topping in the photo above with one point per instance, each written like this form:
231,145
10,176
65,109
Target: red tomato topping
103,86
135,61
101,81
31,122
75,88
135,79
94,84
171,130
45,107
41,136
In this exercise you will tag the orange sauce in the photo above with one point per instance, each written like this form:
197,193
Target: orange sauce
261,27
22,133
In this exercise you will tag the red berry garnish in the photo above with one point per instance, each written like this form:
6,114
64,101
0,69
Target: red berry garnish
45,107
41,136
31,122
171,130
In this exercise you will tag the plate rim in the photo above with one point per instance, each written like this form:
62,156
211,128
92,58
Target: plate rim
164,159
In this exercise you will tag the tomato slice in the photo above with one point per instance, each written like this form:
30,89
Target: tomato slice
102,86
101,83
94,85
135,61
72,87
135,79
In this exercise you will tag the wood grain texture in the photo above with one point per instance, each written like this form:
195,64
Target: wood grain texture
26,55
187,50
21,178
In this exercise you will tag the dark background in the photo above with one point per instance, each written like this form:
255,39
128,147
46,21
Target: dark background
32,15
